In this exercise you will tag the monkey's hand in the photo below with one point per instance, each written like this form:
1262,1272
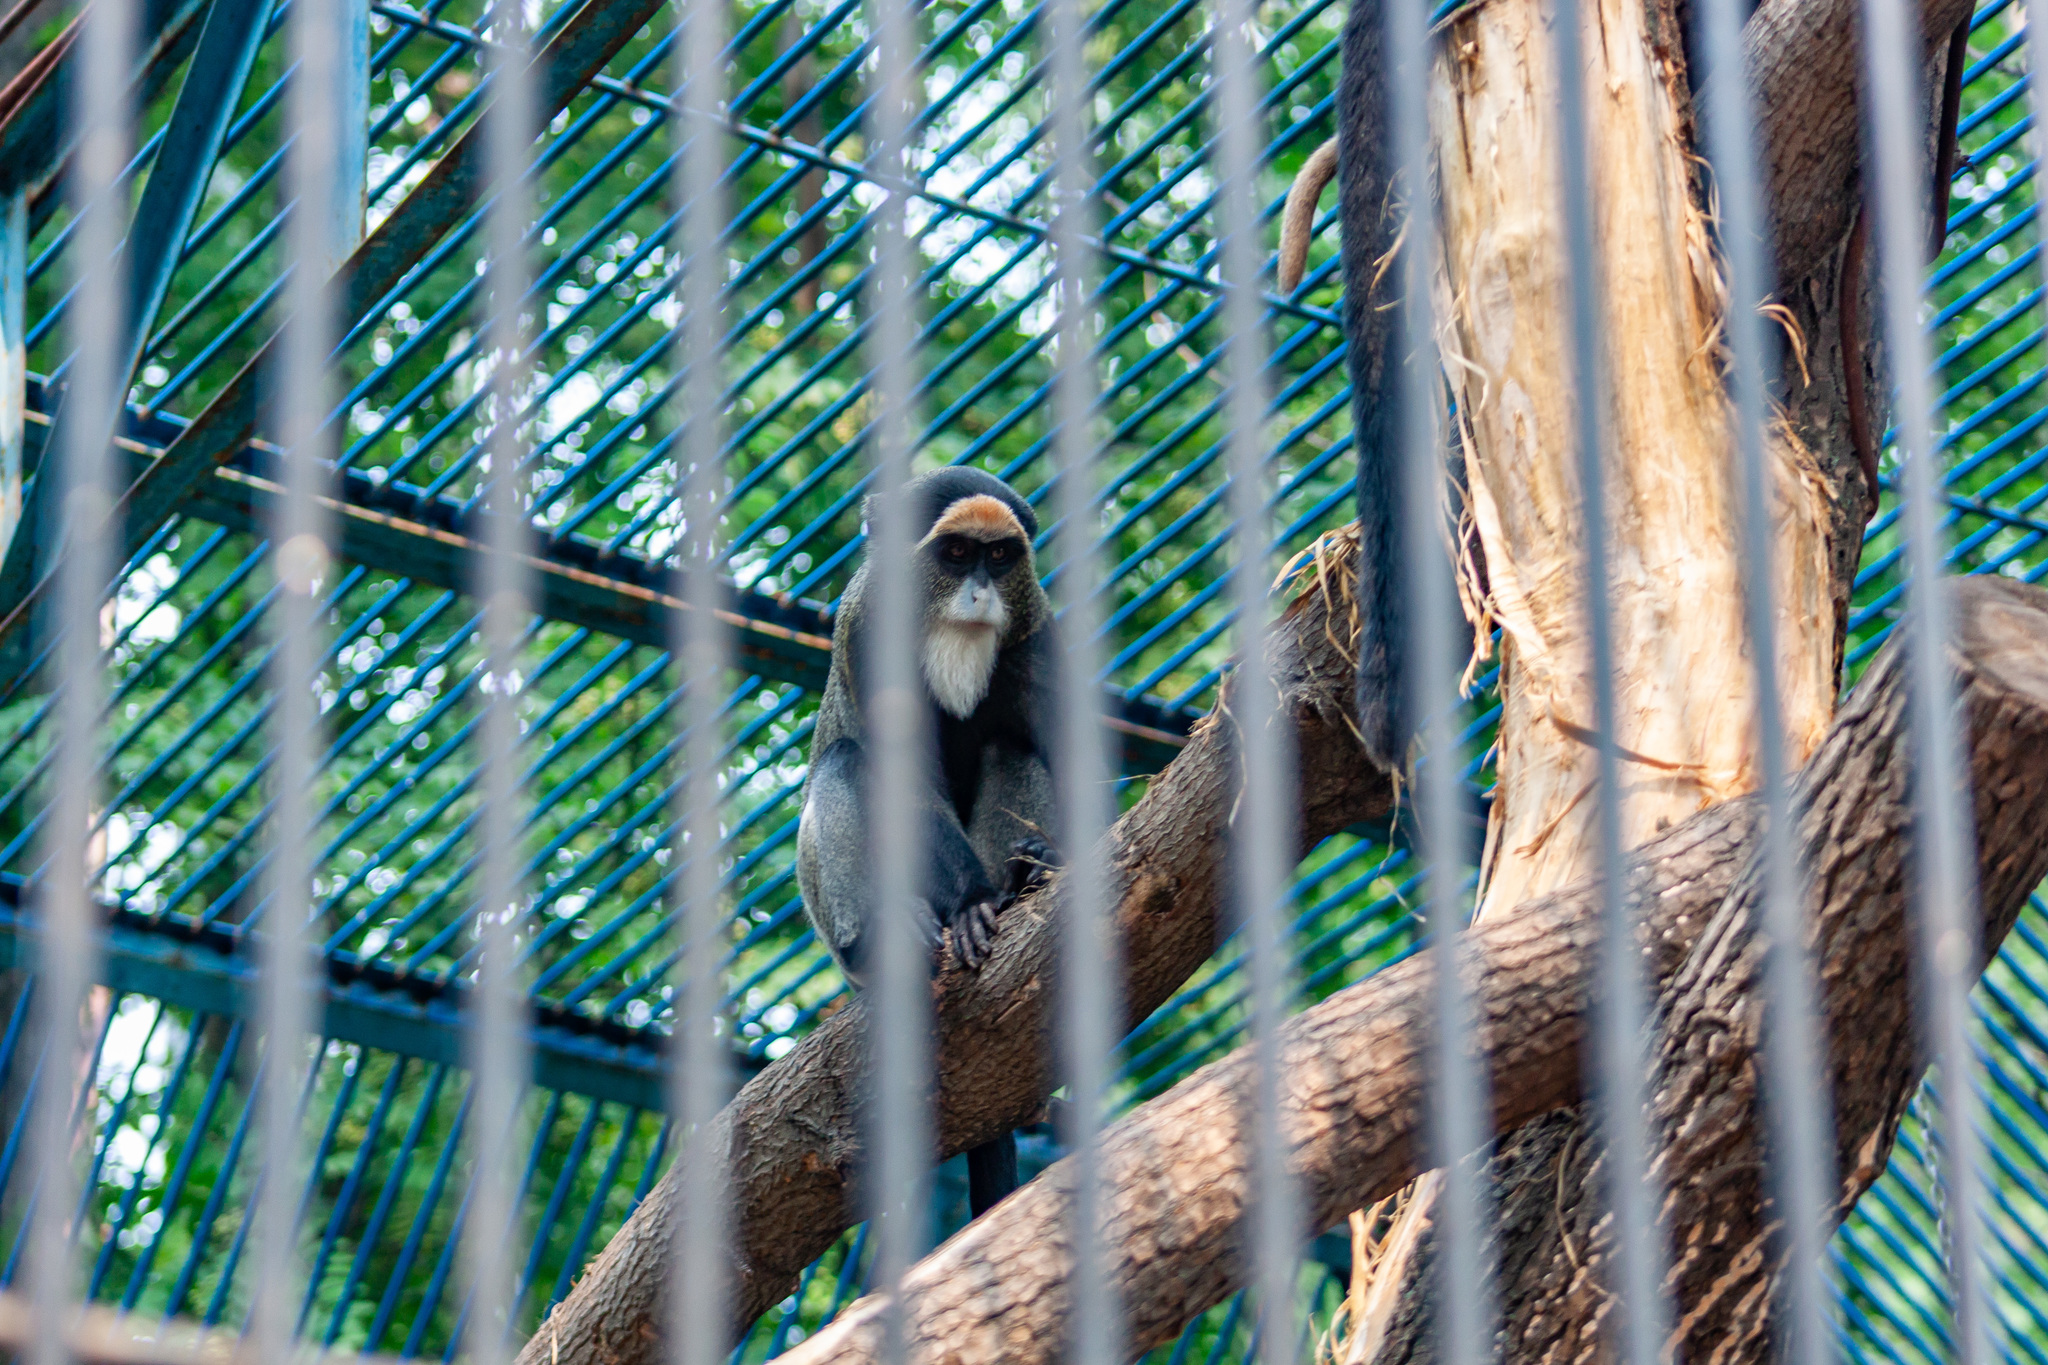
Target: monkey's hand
973,933
1031,864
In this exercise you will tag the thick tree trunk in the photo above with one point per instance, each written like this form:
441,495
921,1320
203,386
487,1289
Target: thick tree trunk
790,1142
1685,713
1355,1065
1686,717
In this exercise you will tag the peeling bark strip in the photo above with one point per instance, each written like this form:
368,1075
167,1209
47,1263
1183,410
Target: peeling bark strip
1685,699
1179,1168
790,1141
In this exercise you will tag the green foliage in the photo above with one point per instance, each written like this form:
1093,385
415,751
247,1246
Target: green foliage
185,812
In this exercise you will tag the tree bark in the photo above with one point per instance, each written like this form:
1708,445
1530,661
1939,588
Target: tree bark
1804,63
1803,66
790,1141
1179,1168
100,1336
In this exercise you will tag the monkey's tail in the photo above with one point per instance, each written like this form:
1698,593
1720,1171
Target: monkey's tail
1373,328
1298,219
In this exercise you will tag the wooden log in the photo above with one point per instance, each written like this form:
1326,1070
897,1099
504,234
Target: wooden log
1179,1169
790,1142
100,1336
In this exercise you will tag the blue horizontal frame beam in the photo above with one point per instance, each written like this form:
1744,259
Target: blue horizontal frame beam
579,50
199,975
623,595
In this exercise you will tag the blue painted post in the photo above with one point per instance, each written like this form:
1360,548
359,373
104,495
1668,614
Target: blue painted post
13,356
353,154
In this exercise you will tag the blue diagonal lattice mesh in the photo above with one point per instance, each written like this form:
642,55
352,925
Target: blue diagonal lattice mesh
165,1105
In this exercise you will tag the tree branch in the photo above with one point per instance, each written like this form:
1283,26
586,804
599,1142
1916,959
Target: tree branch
1804,60
1179,1168
100,1336
790,1142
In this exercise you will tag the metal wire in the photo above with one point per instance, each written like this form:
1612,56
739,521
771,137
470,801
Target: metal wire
1261,833
1091,1008
303,566
899,1123
1798,1103
699,1065
76,520
498,1027
1638,1254
1459,1102
1947,922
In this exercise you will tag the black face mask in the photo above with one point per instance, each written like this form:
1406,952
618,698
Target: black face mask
963,556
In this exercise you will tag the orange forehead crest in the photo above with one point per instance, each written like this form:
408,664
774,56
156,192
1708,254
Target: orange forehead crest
982,516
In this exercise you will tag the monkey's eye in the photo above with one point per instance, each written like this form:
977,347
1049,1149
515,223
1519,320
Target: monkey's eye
1001,554
956,552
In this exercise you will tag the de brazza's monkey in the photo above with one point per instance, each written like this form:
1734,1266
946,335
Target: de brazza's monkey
986,656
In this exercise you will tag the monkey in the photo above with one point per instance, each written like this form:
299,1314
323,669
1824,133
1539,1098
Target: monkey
1360,157
987,661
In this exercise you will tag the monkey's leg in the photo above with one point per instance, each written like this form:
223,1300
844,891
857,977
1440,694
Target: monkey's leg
991,1173
834,864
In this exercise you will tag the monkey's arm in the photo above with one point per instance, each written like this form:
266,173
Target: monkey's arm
833,863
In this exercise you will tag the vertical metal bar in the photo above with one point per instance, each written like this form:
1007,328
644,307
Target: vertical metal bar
899,1118
698,1067
1262,833
1948,925
1638,1258
498,1041
13,357
1090,1005
304,567
1798,1105
81,474
1458,1095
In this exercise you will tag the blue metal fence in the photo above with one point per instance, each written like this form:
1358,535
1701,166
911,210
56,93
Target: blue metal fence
167,1099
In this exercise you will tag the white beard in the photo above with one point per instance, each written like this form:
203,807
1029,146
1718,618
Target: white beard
960,648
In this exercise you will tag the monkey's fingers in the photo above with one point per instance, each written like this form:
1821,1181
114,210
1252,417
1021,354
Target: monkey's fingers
1031,865
974,935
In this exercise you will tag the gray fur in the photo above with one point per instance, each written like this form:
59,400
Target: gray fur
999,752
